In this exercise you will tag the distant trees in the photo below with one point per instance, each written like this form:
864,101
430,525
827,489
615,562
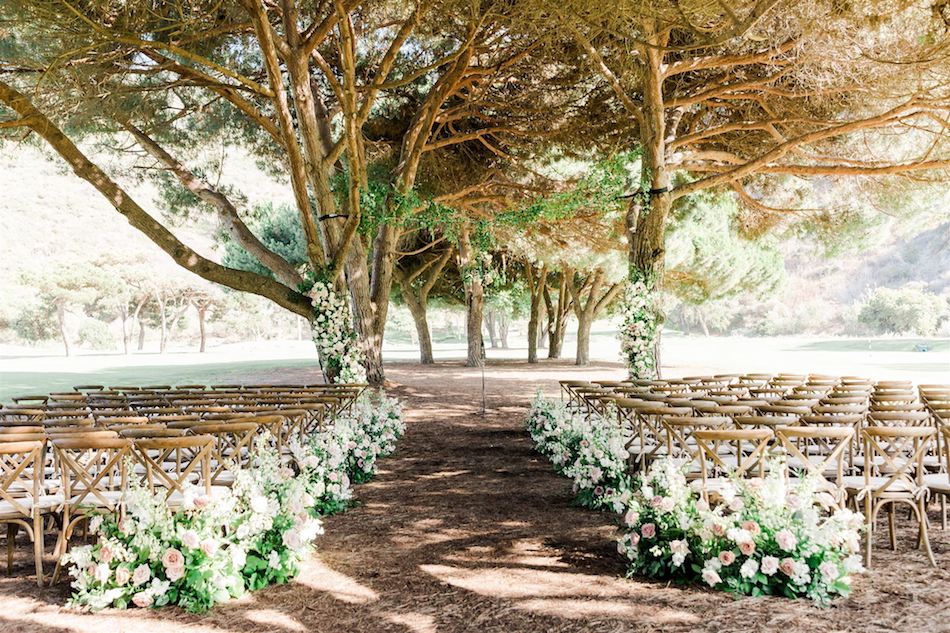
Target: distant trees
907,310
80,302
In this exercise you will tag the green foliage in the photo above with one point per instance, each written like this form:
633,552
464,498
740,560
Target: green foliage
95,334
708,259
278,227
35,324
910,309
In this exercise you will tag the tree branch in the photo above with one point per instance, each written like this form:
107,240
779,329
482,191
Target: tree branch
183,255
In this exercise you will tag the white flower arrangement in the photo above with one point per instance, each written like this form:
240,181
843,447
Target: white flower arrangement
210,548
334,336
591,451
766,537
638,329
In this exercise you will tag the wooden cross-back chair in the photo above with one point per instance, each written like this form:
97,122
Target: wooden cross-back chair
893,475
652,436
93,479
730,451
18,417
817,451
23,503
939,483
231,448
679,437
170,464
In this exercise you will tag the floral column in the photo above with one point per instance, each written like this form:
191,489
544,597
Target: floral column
340,356
640,326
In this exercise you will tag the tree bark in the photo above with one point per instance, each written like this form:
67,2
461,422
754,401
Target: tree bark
536,285
141,343
417,297
503,324
588,302
202,313
474,301
583,339
61,320
490,326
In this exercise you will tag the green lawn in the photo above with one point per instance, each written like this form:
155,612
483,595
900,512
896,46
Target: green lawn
878,345
36,382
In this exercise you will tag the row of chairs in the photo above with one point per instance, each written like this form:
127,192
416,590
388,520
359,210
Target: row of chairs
874,445
62,458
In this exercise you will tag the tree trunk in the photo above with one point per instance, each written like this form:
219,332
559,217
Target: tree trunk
61,320
583,341
474,300
503,324
646,231
702,322
141,344
202,313
417,309
536,286
124,318
163,320
490,326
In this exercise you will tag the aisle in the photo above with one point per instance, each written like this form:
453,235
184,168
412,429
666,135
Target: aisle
467,529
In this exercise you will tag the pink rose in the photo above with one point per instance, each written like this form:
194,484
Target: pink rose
786,540
747,548
201,501
142,599
173,558
631,518
209,547
787,566
751,527
727,557
634,539
648,530
718,529
656,501
174,573
105,554
122,575
141,574
124,527
190,539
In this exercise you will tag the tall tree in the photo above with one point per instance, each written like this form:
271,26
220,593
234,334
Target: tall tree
743,94
324,90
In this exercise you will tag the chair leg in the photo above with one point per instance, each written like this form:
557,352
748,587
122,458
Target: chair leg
11,537
892,526
923,536
943,512
38,536
869,533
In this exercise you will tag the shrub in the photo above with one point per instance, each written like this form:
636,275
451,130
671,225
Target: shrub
907,310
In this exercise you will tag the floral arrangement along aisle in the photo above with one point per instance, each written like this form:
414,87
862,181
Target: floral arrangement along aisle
203,550
766,537
591,451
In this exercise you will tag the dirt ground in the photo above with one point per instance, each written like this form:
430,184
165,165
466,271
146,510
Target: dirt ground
467,529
